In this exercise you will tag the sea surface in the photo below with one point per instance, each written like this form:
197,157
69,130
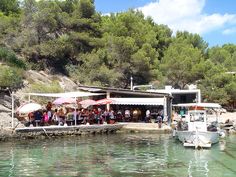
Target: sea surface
137,155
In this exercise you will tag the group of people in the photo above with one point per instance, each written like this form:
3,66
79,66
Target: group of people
71,116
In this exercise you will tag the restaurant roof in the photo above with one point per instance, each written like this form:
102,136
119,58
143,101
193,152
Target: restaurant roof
66,94
96,89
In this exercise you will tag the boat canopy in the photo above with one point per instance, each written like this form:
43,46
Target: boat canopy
138,101
205,105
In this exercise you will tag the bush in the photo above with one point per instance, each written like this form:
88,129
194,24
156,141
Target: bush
10,77
10,58
54,87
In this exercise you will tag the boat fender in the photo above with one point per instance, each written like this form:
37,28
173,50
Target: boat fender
174,133
222,134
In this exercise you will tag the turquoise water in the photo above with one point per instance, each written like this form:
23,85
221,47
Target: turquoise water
116,155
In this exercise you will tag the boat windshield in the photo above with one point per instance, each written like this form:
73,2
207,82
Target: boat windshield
197,117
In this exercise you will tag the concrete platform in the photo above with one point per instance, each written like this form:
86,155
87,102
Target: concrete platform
146,127
79,129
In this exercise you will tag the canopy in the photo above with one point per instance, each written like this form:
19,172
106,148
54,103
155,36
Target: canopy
138,101
28,107
205,105
67,94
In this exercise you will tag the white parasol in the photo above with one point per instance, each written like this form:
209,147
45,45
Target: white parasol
28,107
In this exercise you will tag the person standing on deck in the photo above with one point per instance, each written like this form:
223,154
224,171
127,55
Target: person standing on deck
148,118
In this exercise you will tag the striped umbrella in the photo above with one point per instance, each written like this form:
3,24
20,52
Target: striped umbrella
103,101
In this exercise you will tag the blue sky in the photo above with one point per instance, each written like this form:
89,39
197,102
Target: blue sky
214,20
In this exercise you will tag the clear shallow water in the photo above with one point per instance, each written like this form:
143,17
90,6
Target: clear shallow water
116,155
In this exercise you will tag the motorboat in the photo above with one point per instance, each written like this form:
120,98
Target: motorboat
195,131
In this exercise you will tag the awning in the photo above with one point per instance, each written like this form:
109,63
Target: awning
67,94
205,105
138,101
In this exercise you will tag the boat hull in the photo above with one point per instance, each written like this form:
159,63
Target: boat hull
197,138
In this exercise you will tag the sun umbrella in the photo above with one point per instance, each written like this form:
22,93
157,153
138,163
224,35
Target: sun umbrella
28,107
87,102
64,100
103,101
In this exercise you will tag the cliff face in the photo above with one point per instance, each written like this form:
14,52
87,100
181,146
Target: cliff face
31,77
5,111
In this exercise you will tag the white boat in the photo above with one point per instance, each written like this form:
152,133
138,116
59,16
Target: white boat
194,131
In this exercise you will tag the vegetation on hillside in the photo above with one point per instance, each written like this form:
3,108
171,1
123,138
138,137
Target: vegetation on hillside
71,38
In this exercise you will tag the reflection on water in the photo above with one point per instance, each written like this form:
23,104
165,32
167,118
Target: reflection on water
116,155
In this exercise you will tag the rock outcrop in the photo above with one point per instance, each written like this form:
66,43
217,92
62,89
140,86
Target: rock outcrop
65,83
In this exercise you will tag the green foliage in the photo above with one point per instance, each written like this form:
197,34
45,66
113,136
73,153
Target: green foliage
39,87
71,38
53,87
225,56
10,58
86,8
9,6
193,39
217,85
182,64
10,77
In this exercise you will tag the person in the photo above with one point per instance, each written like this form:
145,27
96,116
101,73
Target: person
98,116
135,115
119,116
182,113
159,120
80,117
49,110
38,115
85,114
112,117
61,115
49,106
106,116
75,115
148,118
70,116
31,120
127,115
180,124
101,117
55,117
45,118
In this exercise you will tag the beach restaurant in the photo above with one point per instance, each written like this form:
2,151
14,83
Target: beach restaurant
121,99
131,99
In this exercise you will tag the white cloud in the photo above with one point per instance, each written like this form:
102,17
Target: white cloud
229,31
186,15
